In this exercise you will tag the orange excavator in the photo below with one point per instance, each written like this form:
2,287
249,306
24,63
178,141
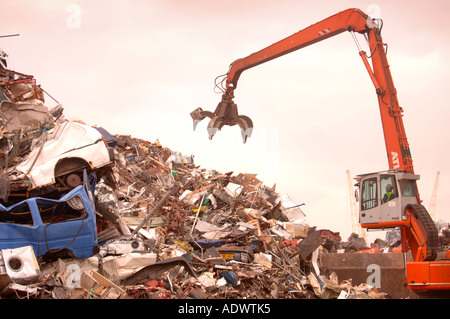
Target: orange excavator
387,199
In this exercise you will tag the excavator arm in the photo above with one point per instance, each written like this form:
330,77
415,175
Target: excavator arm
349,20
352,20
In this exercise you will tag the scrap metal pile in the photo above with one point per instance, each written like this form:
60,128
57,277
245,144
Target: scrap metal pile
167,228
145,222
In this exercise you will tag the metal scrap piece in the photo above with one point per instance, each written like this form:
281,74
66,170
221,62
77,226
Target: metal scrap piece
155,270
314,240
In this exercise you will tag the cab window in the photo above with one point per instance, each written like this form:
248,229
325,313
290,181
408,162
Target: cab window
388,189
20,214
369,197
408,188
52,212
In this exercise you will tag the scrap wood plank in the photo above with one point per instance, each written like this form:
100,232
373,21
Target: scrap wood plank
105,283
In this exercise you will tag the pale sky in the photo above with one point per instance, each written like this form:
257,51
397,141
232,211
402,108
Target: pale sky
140,67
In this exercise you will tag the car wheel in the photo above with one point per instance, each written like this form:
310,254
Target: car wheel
73,180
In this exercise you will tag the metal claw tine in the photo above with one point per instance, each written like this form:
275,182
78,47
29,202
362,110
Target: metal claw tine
211,132
214,125
198,114
246,125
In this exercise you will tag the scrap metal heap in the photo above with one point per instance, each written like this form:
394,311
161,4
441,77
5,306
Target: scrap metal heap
170,229
164,227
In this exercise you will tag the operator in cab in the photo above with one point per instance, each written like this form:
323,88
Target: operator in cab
389,193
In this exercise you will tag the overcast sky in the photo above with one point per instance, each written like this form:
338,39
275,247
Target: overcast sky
140,67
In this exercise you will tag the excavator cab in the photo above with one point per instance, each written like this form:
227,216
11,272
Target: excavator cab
390,199
384,196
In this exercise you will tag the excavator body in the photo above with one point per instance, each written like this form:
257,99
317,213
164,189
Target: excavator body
388,200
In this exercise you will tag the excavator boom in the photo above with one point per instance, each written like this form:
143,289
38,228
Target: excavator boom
349,20
352,20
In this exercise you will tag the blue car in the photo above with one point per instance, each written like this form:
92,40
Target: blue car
52,225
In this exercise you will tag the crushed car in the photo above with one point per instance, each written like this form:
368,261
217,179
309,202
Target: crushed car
61,156
64,225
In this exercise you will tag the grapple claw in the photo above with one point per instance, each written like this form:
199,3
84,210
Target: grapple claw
225,114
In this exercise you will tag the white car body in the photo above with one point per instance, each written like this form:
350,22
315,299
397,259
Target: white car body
66,141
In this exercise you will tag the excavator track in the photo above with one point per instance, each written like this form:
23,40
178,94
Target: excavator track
432,233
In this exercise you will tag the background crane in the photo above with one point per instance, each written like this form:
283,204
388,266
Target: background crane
356,226
433,201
